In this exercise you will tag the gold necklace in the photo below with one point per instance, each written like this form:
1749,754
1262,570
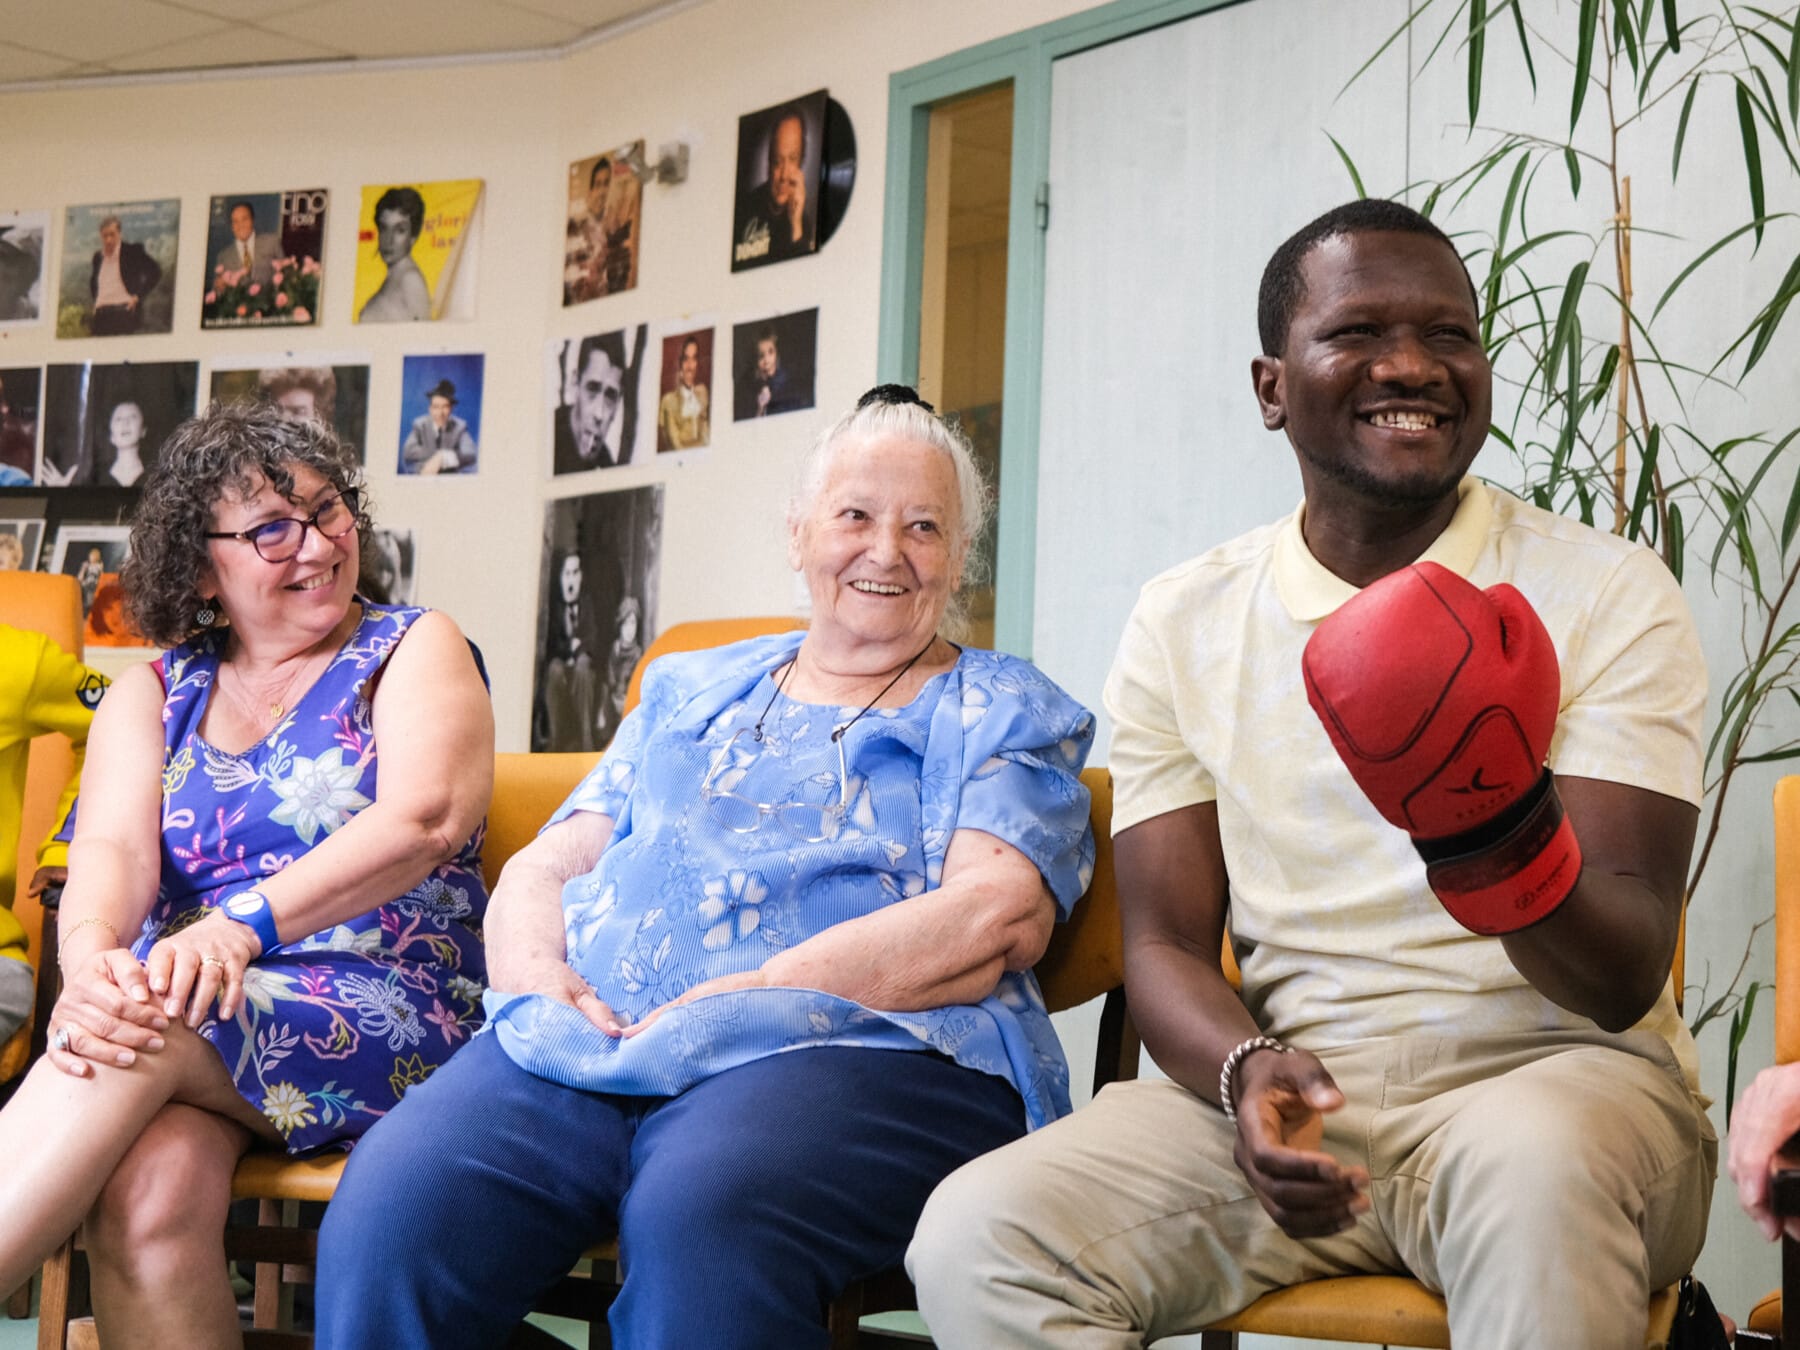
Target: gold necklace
277,708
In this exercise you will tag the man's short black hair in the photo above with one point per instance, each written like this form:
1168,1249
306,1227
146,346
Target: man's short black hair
613,344
1282,288
246,205
407,202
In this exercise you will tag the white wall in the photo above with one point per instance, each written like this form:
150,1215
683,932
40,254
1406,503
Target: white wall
518,125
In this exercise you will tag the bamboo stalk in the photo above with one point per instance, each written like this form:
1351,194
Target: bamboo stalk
1625,371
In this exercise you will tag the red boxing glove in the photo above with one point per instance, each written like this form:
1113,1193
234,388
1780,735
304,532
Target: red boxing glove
1441,700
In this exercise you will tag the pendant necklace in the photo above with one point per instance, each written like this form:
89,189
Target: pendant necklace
837,733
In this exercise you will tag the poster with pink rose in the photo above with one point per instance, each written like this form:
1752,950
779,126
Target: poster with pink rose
263,251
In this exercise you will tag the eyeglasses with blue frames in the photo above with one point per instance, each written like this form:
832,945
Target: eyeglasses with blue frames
806,821
277,541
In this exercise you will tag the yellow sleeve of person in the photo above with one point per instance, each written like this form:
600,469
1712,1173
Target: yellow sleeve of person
42,689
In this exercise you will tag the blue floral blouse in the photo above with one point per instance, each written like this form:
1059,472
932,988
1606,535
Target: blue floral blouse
336,1026
683,895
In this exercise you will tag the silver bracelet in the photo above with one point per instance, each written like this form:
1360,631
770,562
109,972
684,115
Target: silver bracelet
1228,1070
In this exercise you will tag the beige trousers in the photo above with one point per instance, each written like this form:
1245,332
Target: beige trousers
1544,1183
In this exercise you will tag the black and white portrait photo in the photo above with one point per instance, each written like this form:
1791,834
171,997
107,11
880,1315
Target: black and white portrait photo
594,383
103,423
596,614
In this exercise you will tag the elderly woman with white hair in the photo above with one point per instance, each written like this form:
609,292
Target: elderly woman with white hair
764,979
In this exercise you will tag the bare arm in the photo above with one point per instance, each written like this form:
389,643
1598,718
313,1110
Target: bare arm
1172,893
434,724
1173,890
115,860
115,863
1767,1116
1605,953
991,914
526,949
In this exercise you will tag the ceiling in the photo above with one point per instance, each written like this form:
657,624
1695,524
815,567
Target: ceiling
102,39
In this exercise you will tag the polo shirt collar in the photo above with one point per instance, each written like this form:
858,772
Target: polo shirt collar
1309,592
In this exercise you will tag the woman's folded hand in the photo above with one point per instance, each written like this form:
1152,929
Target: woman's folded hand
104,1015
555,978
724,984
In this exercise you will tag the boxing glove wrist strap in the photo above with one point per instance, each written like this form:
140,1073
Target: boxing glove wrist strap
1512,871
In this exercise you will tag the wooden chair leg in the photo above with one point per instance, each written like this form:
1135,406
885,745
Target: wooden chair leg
57,1297
18,1305
844,1317
272,1305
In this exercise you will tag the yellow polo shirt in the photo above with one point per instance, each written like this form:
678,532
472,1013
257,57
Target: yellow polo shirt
1338,935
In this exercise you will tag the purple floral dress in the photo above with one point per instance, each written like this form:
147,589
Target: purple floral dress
334,1027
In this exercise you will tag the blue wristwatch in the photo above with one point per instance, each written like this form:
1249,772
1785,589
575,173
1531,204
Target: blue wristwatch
251,908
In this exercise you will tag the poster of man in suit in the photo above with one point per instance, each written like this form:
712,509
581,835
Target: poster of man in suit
264,250
118,269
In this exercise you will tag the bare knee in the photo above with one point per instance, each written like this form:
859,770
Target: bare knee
173,1186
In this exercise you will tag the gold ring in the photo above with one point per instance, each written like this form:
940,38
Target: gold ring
218,961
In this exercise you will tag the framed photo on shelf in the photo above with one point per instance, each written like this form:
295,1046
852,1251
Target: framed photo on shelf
21,543
87,552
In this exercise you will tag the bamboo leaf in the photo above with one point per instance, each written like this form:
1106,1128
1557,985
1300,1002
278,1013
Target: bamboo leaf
1584,58
1626,33
1790,520
1671,26
1350,164
1687,106
1566,320
1769,109
1771,756
1775,313
1740,1028
1736,524
1793,73
1692,267
1524,44
1675,545
1392,38
1752,154
1647,480
1477,50
1574,170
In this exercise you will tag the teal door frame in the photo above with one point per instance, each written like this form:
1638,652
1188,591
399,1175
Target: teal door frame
1025,59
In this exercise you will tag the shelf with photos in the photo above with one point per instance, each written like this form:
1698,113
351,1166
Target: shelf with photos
80,532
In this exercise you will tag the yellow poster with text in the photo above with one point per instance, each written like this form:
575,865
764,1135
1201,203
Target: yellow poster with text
415,252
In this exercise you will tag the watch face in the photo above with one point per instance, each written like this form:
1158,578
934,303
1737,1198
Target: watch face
247,903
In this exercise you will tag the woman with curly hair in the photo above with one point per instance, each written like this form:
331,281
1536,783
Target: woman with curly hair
258,948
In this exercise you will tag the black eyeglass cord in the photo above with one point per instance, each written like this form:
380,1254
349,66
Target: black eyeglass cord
837,733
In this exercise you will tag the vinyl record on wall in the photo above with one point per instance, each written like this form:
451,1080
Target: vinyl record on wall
839,169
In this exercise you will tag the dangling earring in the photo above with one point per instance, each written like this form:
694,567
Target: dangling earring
206,616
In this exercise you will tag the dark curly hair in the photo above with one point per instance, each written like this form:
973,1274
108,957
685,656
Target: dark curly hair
228,448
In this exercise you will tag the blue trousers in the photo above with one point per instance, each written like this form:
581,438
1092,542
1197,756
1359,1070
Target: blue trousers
742,1206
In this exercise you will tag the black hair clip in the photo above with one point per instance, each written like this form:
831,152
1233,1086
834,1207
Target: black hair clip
893,395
